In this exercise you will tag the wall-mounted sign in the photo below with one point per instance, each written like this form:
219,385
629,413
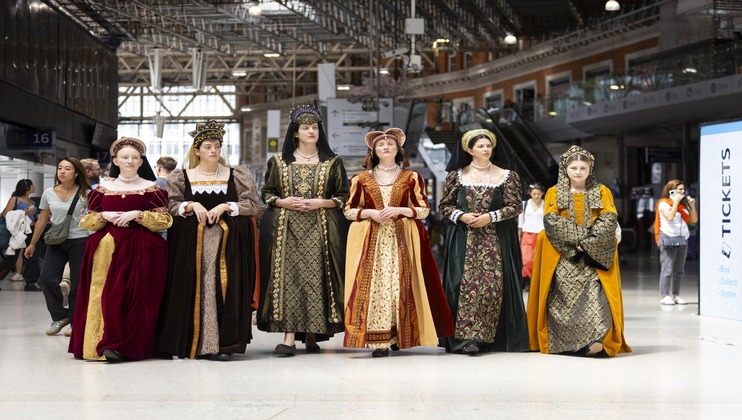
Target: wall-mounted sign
30,139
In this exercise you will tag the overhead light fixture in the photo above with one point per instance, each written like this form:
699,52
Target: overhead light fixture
510,39
552,113
343,87
616,87
271,55
690,70
239,73
383,70
253,8
437,43
245,109
612,6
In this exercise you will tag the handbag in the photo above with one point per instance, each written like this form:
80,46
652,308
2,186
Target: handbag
673,241
4,232
58,232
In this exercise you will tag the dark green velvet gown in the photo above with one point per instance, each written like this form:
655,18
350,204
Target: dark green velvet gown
302,254
481,273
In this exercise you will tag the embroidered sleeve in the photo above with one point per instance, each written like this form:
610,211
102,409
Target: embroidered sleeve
512,204
175,192
448,205
356,200
92,219
271,190
339,180
248,203
157,217
418,199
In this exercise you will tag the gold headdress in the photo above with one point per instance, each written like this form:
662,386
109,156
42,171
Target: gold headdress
576,150
472,134
128,141
212,130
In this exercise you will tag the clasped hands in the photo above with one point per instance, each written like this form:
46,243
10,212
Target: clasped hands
476,220
299,203
208,216
386,215
120,218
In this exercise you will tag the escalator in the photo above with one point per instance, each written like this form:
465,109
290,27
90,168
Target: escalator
522,150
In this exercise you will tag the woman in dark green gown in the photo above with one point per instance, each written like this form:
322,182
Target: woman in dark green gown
482,263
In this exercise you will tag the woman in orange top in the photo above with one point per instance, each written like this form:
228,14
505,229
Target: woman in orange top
575,304
675,210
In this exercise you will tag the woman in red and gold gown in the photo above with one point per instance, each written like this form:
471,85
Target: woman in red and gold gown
125,262
393,291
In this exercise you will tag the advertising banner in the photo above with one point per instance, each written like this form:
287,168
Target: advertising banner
720,226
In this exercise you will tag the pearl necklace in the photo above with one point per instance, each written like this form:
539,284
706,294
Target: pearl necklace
128,179
215,173
391,179
488,166
307,158
387,168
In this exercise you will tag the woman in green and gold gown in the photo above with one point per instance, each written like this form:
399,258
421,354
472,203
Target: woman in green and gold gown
302,237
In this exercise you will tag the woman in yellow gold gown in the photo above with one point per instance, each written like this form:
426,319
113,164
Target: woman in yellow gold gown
575,304
393,293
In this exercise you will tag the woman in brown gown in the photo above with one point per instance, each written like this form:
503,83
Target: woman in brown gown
212,274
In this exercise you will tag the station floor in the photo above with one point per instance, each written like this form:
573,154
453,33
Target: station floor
683,366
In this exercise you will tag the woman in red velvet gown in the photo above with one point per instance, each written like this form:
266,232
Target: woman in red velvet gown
125,262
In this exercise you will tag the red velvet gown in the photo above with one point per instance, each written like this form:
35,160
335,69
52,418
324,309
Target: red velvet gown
123,276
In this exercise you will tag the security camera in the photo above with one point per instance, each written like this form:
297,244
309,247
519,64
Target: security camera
395,52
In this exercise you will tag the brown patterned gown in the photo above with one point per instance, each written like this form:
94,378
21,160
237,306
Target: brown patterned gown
482,263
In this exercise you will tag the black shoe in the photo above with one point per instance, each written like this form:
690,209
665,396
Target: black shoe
221,357
313,348
395,347
286,350
471,349
112,356
32,287
380,353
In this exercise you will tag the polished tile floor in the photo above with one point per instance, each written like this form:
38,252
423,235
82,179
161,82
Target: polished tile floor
683,366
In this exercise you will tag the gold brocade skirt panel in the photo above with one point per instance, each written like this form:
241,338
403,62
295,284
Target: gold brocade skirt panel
209,331
303,300
383,311
94,319
578,312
